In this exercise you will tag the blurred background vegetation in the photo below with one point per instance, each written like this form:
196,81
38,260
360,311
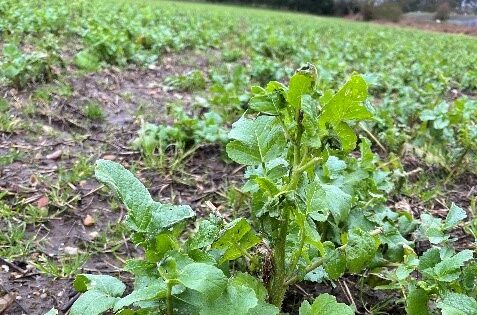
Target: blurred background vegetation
387,10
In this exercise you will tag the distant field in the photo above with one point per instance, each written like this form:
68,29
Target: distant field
156,86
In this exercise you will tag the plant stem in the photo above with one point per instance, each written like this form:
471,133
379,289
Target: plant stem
311,267
457,165
185,155
373,137
297,142
295,278
170,307
298,170
298,252
277,286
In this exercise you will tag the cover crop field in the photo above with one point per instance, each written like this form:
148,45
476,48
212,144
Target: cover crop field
163,157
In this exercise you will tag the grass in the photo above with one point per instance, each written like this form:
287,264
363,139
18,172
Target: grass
93,111
11,156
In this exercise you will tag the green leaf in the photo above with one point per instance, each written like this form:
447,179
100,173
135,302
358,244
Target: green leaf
325,304
235,239
269,103
427,115
171,266
159,246
448,269
103,283
267,185
206,279
403,271
145,215
263,308
347,136
205,236
321,198
301,83
317,275
346,104
85,60
237,300
152,291
457,304
309,108
242,278
103,293
454,216
334,167
360,250
433,229
335,263
367,156
93,302
429,259
256,141
417,302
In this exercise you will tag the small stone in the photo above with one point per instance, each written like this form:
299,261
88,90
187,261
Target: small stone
18,297
5,268
72,251
60,294
54,155
109,157
43,296
93,235
47,129
88,220
42,202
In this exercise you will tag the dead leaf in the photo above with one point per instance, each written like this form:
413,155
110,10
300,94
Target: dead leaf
403,205
109,157
88,220
6,301
54,155
33,181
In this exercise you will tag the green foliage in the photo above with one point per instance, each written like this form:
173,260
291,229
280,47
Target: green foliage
295,175
320,211
181,139
191,81
270,46
440,275
100,294
21,69
325,304
145,216
188,278
87,61
452,131
93,111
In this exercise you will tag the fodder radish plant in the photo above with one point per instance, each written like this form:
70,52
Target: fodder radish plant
317,212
